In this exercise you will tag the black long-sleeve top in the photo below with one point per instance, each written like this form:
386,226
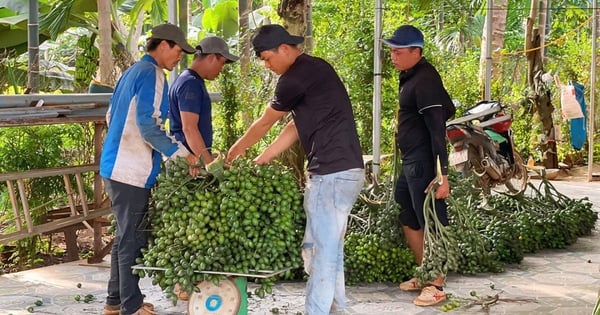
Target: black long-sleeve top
421,115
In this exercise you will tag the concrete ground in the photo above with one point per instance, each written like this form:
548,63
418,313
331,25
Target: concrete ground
556,282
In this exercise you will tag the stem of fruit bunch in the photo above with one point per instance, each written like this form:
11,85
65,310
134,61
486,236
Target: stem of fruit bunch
436,238
200,185
364,224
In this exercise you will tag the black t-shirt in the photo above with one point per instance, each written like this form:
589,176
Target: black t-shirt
319,102
421,115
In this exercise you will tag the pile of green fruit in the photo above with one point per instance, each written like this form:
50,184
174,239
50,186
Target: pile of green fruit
243,219
484,234
374,248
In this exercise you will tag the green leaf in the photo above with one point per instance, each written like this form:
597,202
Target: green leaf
83,6
222,19
14,20
12,38
16,6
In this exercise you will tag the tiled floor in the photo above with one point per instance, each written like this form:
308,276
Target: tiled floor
552,282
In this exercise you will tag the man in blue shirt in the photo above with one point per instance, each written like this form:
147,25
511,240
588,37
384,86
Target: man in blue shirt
190,118
134,146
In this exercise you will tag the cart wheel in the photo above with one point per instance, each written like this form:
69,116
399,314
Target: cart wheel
223,299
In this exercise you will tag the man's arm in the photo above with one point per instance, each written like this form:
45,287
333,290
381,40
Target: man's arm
189,122
287,137
257,130
148,119
434,119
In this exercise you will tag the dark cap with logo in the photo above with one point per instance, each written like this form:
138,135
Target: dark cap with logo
271,36
405,36
216,45
173,33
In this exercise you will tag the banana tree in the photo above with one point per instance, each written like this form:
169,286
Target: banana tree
14,15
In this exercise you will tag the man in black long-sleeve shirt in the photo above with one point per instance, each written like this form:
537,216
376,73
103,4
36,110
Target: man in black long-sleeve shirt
421,139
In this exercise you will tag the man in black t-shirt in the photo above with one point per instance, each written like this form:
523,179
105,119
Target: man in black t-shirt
421,137
323,122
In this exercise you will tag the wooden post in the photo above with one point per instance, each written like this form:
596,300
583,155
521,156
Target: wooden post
69,194
25,204
15,204
71,241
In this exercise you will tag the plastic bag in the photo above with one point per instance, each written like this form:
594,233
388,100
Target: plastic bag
570,107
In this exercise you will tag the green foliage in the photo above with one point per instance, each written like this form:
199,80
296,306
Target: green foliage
11,79
67,13
351,54
460,76
39,147
245,96
222,18
228,130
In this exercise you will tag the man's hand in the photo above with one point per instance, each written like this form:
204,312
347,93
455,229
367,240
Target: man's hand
439,183
194,168
442,191
264,158
234,152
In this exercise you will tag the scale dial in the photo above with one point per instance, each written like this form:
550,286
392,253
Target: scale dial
224,299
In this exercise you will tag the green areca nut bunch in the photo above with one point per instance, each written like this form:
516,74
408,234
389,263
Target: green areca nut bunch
242,219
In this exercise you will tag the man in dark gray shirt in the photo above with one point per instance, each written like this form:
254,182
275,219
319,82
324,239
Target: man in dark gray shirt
323,122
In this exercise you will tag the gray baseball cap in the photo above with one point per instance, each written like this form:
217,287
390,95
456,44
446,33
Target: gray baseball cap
216,45
172,32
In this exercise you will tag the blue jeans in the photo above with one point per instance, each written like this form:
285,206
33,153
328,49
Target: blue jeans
130,206
328,200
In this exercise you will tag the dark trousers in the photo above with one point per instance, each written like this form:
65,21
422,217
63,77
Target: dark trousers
410,194
130,207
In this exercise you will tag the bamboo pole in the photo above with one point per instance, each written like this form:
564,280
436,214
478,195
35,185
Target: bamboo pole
592,114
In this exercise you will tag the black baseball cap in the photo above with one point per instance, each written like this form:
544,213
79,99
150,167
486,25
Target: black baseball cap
271,36
216,45
405,36
172,32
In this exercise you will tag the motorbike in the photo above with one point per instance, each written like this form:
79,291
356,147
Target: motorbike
483,145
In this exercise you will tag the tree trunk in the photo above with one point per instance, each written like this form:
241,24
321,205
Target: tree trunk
295,14
105,43
245,7
498,28
540,97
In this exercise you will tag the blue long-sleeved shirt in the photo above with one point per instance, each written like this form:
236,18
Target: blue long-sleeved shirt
136,138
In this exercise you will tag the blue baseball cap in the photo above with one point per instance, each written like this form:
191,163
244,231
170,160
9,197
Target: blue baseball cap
405,36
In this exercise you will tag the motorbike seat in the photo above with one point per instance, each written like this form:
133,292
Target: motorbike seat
489,107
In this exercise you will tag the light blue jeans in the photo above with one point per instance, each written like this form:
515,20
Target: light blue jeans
328,200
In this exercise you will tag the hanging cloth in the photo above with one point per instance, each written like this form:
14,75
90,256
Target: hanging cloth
578,125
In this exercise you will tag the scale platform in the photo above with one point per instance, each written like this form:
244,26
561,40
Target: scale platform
229,297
